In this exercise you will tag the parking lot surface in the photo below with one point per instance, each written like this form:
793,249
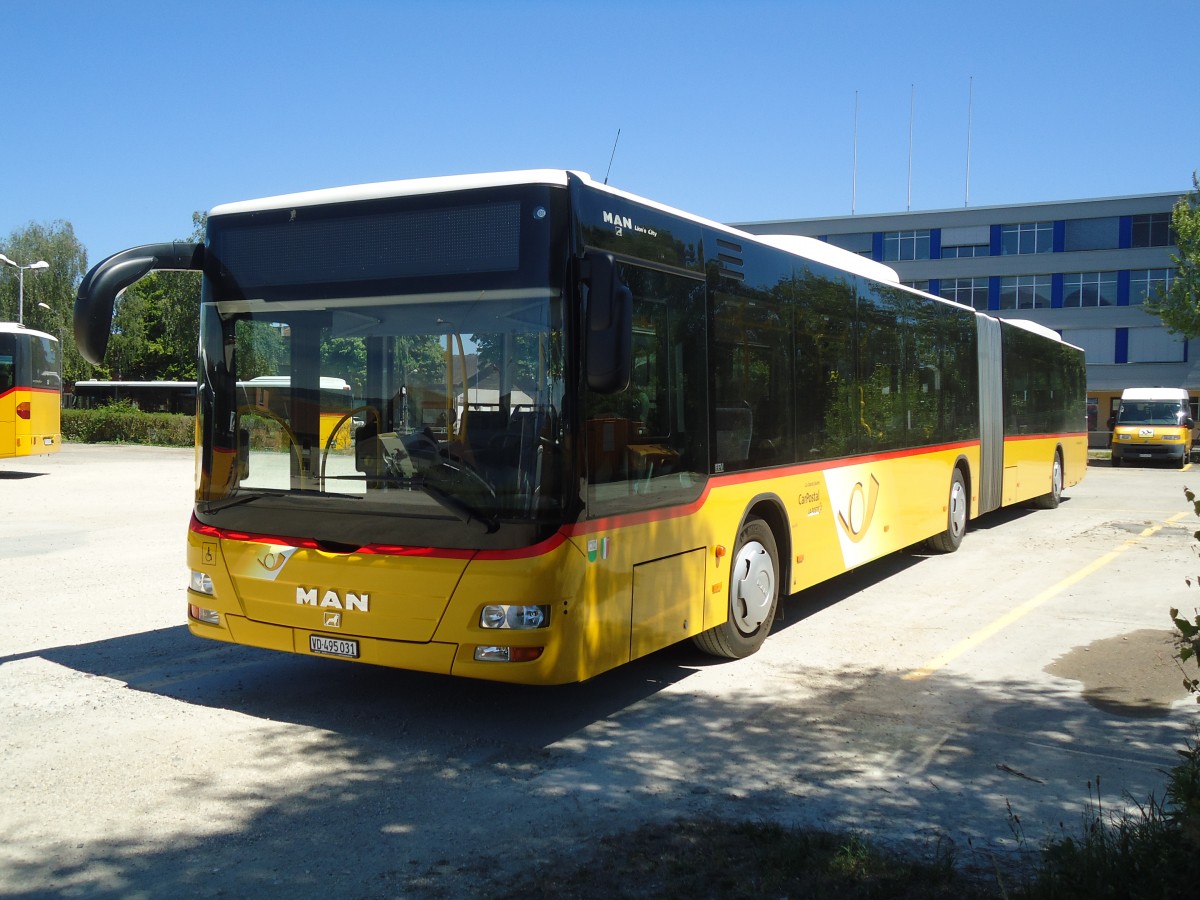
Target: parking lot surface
919,699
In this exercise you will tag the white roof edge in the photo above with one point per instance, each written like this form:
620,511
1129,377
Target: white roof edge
383,189
1153,393
1038,328
16,328
820,251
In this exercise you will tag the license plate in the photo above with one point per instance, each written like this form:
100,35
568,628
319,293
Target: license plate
333,646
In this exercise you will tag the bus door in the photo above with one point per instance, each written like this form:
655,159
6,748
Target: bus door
646,455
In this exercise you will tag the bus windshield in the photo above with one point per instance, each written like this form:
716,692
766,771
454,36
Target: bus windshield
1151,412
408,409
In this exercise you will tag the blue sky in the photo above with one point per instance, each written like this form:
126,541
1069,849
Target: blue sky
123,118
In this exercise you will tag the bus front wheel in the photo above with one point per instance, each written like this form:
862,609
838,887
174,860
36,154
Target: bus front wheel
956,517
753,595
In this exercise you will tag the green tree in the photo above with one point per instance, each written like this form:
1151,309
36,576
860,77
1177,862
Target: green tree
55,286
156,325
1179,306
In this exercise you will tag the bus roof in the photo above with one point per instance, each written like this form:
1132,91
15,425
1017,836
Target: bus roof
14,328
1154,393
94,382
805,247
328,383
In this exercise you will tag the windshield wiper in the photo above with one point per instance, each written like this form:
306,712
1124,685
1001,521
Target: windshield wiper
463,511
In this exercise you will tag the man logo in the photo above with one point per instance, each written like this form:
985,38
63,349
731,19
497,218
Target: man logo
332,599
856,519
333,620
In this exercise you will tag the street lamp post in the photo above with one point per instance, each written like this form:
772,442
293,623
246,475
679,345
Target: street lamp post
37,266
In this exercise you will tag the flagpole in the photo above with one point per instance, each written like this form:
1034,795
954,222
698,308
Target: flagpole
912,101
854,167
970,102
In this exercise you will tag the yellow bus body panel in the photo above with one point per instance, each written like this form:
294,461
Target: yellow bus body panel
1028,462
617,588
40,433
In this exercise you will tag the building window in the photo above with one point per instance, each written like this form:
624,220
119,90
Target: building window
1025,292
1092,234
966,250
1144,284
967,291
1027,237
903,245
1098,344
1152,230
1090,289
859,243
917,285
1149,345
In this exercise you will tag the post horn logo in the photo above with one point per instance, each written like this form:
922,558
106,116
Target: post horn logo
860,510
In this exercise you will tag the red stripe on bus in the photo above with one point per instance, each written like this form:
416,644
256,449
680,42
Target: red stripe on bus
1045,437
673,512
538,549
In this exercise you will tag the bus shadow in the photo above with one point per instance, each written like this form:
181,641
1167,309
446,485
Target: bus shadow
362,702
17,476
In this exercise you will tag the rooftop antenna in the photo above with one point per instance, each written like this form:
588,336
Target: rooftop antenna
970,100
854,167
614,153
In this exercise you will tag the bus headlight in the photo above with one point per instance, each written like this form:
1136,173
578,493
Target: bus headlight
201,583
522,618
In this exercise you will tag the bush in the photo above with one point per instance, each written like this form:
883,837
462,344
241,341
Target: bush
124,423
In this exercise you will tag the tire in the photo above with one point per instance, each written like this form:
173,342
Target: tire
1116,461
957,511
1052,499
753,595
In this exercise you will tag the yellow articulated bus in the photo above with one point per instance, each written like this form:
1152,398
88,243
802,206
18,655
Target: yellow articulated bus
30,392
586,426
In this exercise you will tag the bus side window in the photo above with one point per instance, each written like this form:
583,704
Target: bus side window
7,362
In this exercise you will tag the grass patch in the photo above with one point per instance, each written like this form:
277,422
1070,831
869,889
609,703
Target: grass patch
712,858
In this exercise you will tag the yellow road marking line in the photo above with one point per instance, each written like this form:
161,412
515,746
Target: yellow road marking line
941,661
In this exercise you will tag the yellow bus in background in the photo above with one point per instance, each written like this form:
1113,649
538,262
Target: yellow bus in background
30,392
586,426
1153,424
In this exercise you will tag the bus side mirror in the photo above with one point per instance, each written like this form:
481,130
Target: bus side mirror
99,289
608,325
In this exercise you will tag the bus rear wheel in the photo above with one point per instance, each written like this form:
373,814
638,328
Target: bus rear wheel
753,595
1051,500
956,517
